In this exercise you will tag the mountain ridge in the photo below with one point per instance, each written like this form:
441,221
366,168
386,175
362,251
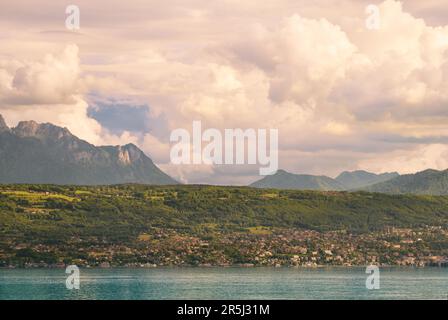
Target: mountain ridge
343,182
46,153
285,180
361,178
426,182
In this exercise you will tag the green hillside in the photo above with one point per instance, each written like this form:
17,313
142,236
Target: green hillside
131,225
425,182
114,211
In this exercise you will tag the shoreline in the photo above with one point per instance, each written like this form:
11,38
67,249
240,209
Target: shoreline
231,267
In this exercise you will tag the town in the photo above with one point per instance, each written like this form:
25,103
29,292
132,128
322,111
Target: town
257,247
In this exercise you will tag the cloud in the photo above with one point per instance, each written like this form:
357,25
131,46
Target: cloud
49,90
51,81
299,67
431,156
341,95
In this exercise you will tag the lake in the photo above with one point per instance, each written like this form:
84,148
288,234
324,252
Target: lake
225,283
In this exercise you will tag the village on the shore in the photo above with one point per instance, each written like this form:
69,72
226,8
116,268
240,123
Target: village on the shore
256,247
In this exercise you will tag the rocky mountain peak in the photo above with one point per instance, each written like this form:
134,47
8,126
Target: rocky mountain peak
26,128
129,153
54,155
3,125
43,131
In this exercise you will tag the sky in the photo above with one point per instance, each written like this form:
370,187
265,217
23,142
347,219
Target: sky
343,96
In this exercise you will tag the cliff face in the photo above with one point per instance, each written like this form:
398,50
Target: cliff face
45,153
3,126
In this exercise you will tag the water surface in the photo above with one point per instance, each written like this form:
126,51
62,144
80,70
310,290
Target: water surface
225,283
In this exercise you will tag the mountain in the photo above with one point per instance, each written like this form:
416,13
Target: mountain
430,181
3,126
345,181
45,153
285,180
360,178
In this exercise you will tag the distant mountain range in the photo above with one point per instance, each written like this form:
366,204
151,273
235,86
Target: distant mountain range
345,181
285,180
431,182
361,179
45,153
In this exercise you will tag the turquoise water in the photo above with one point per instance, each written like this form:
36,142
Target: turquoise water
225,283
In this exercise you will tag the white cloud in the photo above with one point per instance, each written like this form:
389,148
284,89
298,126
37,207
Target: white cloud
48,90
431,156
342,96
51,81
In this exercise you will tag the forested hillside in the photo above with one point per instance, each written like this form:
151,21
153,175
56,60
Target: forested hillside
190,225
